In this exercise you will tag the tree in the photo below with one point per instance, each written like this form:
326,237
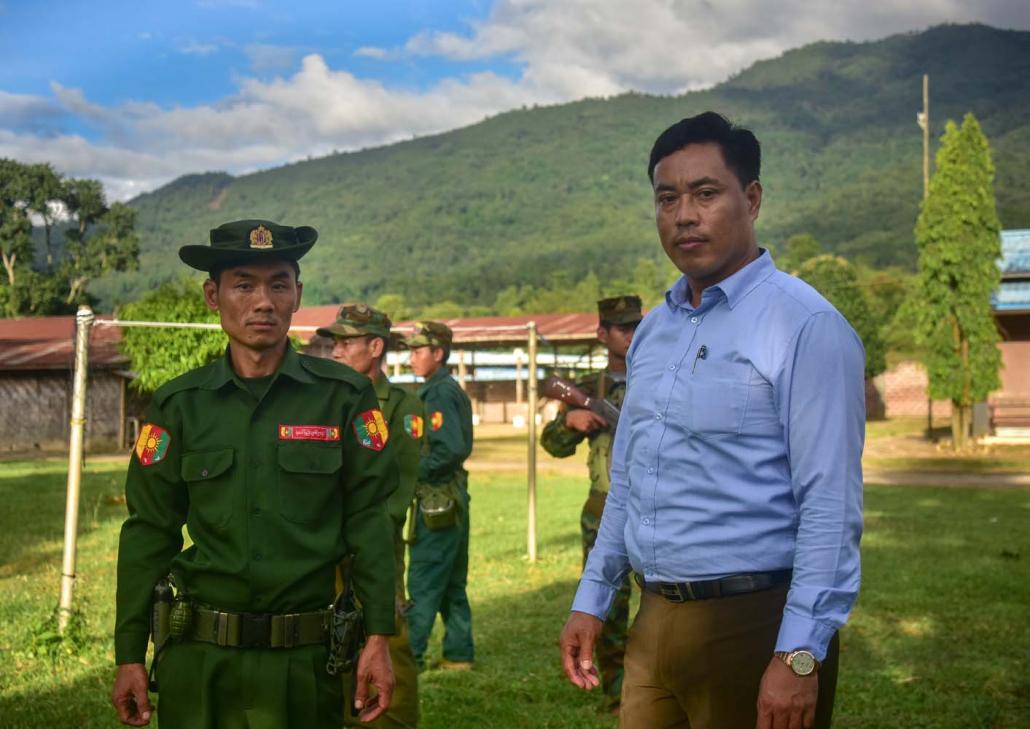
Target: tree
158,355
957,235
798,249
99,239
838,281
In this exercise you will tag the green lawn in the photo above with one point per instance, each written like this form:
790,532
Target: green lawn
938,640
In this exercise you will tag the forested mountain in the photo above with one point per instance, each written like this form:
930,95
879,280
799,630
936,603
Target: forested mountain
518,197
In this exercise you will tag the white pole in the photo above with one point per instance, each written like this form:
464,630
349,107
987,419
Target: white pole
531,422
83,323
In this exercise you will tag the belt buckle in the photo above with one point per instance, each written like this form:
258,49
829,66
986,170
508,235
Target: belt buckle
671,591
255,629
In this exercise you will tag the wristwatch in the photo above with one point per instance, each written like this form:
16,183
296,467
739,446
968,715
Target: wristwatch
802,663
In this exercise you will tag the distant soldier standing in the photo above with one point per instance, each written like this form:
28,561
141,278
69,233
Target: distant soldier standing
618,317
278,464
439,556
362,338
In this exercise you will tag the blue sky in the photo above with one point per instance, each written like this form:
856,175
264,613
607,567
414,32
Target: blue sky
138,93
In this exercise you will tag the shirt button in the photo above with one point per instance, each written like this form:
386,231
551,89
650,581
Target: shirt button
204,472
650,470
657,416
672,367
693,320
645,521
258,556
256,511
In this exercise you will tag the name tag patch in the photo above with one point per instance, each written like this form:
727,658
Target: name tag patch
327,433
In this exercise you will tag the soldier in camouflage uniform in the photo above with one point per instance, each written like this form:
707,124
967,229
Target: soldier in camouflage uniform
362,336
619,317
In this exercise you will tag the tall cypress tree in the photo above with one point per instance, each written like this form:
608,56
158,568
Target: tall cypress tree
958,240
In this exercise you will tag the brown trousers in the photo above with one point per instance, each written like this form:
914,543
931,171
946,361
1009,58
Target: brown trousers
698,664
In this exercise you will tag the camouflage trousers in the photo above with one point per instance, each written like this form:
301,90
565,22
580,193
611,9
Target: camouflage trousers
610,652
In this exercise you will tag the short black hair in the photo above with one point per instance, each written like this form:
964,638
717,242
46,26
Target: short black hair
446,353
740,148
215,273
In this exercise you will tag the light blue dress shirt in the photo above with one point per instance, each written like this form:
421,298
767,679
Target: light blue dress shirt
739,450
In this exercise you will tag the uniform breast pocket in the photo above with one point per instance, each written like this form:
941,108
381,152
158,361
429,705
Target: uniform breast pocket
208,476
715,399
309,481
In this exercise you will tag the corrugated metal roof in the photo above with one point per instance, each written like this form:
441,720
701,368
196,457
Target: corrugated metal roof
1014,292
48,343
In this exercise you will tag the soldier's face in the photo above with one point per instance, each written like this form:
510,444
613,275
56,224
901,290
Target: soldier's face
705,218
617,338
255,302
425,360
359,353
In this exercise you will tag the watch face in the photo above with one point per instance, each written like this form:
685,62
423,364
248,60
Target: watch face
802,663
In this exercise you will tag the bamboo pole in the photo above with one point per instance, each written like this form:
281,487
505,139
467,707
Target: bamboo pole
531,423
83,324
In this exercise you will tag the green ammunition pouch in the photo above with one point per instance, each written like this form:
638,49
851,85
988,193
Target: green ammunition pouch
438,504
259,630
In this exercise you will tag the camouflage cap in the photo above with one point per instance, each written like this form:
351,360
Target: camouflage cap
358,320
243,241
430,334
620,309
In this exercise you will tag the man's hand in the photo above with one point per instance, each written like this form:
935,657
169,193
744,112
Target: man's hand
785,700
129,696
577,649
584,421
375,669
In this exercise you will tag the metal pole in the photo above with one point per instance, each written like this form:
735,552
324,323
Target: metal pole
531,422
83,323
923,119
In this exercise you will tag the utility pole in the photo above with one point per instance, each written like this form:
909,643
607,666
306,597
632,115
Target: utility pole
923,120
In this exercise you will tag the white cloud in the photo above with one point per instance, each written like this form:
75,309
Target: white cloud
195,48
565,51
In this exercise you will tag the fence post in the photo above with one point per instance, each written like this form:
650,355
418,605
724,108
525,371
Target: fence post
83,323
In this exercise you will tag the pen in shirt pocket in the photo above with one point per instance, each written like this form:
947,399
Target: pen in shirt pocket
702,353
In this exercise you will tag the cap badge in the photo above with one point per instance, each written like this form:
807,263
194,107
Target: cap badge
261,237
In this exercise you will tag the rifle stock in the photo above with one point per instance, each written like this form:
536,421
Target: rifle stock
558,388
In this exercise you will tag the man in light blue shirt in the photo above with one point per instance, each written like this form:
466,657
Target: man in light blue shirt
736,481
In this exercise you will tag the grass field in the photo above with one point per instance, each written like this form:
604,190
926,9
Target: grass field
938,640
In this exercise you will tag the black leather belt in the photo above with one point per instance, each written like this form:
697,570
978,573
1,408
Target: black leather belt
723,587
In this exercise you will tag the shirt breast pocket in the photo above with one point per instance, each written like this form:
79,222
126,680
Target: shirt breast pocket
309,481
716,398
208,476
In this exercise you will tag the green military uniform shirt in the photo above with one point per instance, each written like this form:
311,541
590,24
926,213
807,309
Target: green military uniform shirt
561,441
274,491
448,427
404,416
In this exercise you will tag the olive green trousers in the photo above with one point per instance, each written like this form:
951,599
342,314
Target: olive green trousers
205,686
403,711
437,578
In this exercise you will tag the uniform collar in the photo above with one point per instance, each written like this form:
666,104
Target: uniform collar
734,288
223,373
443,372
381,384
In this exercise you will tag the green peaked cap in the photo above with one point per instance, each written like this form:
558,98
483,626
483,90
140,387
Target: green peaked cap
358,320
244,241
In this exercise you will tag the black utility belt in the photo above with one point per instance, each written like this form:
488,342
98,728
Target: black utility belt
723,587
259,630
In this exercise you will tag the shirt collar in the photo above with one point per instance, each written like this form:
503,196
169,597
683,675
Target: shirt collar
734,287
442,372
222,371
381,384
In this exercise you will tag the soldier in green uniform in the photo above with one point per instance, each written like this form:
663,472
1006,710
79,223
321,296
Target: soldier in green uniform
619,317
279,466
362,337
439,555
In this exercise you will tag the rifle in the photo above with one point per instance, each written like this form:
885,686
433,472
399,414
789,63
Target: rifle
558,388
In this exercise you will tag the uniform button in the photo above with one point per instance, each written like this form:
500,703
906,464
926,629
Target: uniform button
256,511
258,556
693,320
204,472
